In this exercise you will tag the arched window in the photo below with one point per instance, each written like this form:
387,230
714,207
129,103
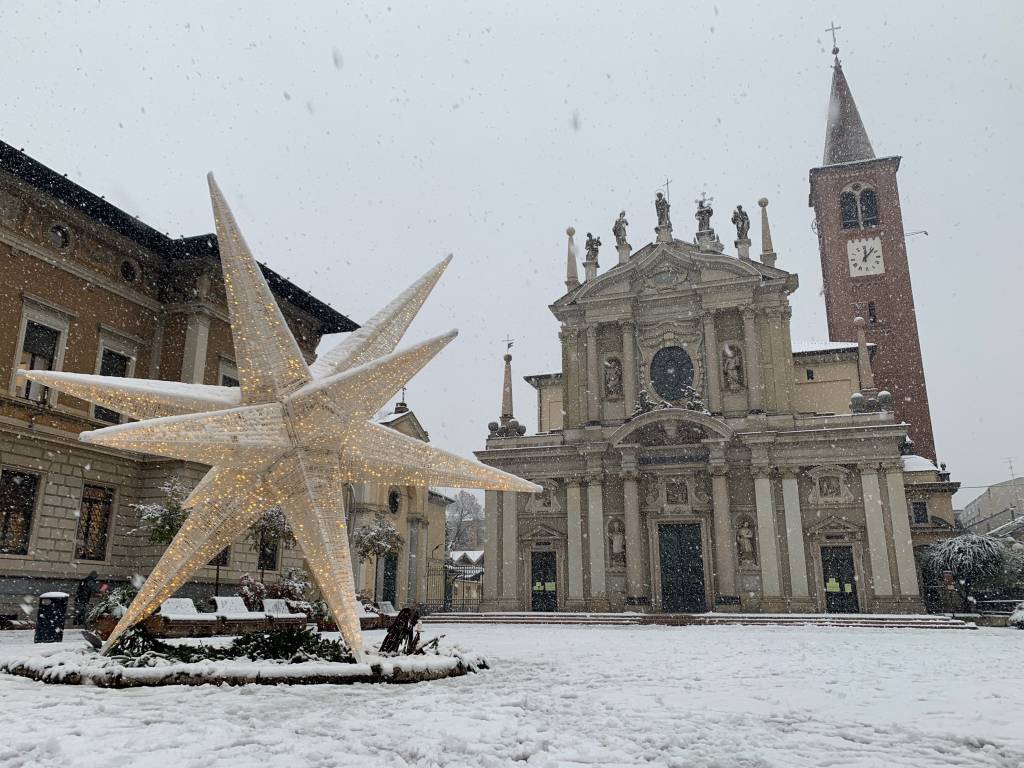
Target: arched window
858,207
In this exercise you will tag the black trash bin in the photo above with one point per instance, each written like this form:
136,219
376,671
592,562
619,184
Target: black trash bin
50,617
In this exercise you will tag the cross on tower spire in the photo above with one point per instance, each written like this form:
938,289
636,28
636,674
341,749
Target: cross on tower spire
835,45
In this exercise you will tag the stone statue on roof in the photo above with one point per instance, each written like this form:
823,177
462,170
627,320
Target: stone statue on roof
593,244
742,222
703,215
661,206
619,229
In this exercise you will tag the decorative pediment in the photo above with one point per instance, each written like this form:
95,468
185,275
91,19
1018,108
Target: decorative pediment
834,525
541,532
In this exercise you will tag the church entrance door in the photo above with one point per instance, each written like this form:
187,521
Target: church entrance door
542,578
682,568
840,580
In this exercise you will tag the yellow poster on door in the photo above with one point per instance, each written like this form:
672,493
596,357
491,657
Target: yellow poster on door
832,585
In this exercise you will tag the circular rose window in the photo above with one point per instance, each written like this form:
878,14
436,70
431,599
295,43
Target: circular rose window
671,372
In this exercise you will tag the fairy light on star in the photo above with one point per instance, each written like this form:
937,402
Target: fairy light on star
291,435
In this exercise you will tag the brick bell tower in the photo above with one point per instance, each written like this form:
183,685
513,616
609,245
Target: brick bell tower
864,258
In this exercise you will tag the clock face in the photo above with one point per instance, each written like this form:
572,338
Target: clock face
671,371
865,256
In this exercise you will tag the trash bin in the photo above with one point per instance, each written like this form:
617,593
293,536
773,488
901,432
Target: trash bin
50,617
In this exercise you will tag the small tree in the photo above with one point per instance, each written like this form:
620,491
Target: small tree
268,533
378,540
460,517
160,521
975,560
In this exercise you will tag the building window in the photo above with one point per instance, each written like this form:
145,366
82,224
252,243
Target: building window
872,312
858,207
129,272
222,558
267,560
394,500
228,374
111,364
58,236
38,353
17,503
810,374
94,523
919,512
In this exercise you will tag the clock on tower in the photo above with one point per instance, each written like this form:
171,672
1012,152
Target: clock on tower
864,259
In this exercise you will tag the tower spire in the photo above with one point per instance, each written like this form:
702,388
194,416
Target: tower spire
846,140
507,425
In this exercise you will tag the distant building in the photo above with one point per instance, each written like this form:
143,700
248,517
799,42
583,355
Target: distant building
996,506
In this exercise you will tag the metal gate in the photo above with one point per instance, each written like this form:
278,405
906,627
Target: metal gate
452,587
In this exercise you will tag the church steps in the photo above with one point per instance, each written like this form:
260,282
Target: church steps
887,621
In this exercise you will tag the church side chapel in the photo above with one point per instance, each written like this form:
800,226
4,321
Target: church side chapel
691,459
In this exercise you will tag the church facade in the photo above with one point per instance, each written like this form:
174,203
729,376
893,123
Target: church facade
692,459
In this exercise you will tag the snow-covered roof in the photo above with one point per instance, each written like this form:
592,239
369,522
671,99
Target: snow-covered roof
807,347
915,463
473,555
387,418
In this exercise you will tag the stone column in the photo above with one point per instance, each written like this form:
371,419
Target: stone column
593,377
492,556
574,546
197,336
767,543
752,353
725,537
635,592
412,574
878,552
906,568
509,552
628,366
713,374
795,534
595,542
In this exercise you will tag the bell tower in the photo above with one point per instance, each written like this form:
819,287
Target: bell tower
864,263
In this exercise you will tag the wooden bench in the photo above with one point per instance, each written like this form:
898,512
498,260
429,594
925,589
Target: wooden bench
280,615
179,617
236,618
367,619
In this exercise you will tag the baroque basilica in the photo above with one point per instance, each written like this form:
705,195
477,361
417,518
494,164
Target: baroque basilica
691,458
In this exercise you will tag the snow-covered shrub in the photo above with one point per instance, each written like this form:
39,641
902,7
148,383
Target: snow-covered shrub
1017,617
378,540
252,591
114,603
976,561
161,521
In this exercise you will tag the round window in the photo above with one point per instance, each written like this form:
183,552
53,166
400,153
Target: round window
129,271
59,236
671,372
394,500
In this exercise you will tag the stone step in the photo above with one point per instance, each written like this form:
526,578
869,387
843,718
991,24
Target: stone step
909,621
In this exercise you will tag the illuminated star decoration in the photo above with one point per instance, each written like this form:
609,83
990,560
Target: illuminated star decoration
291,435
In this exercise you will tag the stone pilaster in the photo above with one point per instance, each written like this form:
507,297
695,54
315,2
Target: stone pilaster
593,377
725,537
492,558
711,364
509,600
197,336
636,594
752,353
795,538
906,568
574,546
878,552
595,542
629,388
767,534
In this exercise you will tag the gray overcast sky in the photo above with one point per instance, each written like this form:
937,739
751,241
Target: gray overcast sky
361,143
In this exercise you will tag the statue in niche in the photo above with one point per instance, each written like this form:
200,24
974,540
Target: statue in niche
661,207
619,229
745,543
593,244
612,378
617,542
742,222
653,496
732,366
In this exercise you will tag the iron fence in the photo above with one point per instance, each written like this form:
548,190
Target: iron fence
452,587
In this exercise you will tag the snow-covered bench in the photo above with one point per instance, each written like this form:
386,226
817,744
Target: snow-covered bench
387,609
280,614
179,617
236,618
368,619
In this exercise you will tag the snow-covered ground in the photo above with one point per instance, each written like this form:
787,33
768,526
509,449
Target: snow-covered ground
574,696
